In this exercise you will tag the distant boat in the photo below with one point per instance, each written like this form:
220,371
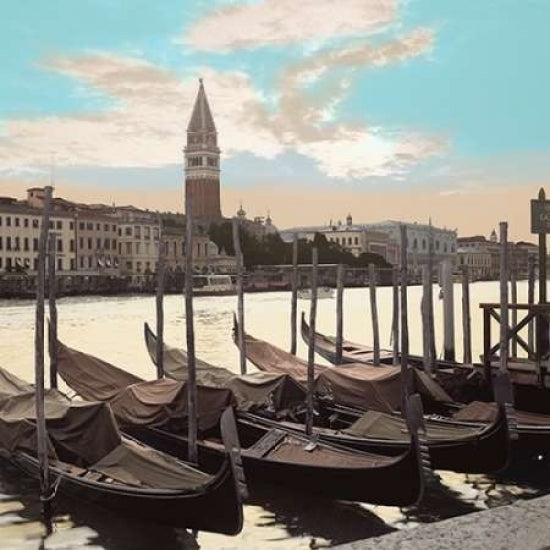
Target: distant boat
322,292
213,285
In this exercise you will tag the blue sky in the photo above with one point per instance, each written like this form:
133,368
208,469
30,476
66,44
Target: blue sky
362,95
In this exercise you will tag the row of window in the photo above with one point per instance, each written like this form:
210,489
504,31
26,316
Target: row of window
202,161
137,232
20,263
17,243
342,240
89,226
106,244
35,222
437,245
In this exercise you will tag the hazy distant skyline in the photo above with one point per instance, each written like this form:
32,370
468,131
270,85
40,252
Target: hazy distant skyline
382,108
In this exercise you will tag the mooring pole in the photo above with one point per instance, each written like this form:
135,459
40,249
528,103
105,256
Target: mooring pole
294,296
52,306
161,269
426,348
41,432
240,295
514,312
543,335
311,344
430,301
503,351
448,311
530,300
466,317
395,316
190,333
374,315
406,379
339,312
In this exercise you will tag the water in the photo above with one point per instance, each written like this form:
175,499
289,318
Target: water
112,328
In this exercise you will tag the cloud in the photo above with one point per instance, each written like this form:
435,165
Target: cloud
282,22
145,124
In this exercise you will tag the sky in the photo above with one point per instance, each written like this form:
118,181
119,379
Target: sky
385,109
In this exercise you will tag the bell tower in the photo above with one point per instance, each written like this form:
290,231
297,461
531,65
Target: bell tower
202,161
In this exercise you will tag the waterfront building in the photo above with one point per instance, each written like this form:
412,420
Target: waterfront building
202,161
383,238
258,226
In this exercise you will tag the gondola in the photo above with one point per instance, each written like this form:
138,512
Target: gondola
463,382
462,448
273,454
90,460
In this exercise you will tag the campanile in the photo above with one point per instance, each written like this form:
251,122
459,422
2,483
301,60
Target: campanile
202,161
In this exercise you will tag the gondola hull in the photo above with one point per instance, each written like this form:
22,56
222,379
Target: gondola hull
215,508
397,483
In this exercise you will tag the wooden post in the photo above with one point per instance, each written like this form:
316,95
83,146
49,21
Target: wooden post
374,315
240,295
503,351
487,358
311,346
448,311
542,323
395,316
339,312
466,317
294,298
426,288
52,306
161,270
406,380
41,432
514,312
530,299
430,301
190,333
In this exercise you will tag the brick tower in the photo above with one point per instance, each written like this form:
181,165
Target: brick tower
202,161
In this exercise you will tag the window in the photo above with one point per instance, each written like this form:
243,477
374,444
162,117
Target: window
59,263
26,244
423,244
113,244
59,245
156,233
35,264
90,262
106,227
51,224
437,245
26,222
90,246
137,232
138,267
82,262
81,243
356,240
35,223
98,242
71,246
1,243
147,233
35,244
16,222
114,227
81,226
128,248
8,243
8,221
128,231
72,264
97,226
89,226
137,248
8,263
107,244
129,266
71,227
415,243
59,224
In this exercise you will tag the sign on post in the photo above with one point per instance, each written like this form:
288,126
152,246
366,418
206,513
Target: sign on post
540,216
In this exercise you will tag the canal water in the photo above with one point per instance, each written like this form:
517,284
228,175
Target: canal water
278,519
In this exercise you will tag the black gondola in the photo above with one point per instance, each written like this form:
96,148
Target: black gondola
458,447
90,460
270,453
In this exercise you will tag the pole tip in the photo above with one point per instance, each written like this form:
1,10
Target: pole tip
542,194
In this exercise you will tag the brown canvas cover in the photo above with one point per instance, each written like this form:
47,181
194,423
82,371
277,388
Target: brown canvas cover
353,384
251,391
85,434
378,425
480,411
135,401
